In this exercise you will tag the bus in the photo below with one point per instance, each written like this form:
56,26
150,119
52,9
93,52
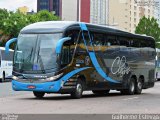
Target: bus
157,71
72,57
5,64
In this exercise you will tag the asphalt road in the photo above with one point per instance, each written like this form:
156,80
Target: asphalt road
25,103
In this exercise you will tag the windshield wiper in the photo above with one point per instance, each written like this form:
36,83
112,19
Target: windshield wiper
39,60
27,60
41,63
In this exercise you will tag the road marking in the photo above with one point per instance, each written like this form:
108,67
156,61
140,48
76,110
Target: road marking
130,98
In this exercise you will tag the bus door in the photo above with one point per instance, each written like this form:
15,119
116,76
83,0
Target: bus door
69,47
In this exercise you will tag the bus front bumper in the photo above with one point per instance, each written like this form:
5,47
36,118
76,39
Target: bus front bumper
54,86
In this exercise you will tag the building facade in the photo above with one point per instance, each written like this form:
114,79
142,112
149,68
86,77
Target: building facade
76,10
125,14
50,5
23,9
157,11
99,11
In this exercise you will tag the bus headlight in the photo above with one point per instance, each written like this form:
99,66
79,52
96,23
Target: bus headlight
15,78
54,77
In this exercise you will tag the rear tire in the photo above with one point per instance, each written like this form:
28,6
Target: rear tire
77,93
131,88
100,92
38,94
139,86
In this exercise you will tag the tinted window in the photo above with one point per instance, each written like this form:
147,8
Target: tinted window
150,43
111,40
143,43
69,47
124,41
98,39
134,43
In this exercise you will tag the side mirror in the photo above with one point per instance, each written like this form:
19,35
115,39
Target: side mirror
60,44
8,44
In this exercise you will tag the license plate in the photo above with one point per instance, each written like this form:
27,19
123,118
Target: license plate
31,87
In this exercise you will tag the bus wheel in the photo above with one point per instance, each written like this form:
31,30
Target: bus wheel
77,93
131,88
139,86
100,92
38,94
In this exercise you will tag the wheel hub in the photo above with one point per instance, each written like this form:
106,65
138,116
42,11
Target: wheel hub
79,88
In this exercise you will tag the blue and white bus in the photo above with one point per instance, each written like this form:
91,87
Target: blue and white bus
72,57
6,64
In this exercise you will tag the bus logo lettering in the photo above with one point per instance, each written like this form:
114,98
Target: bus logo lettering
121,65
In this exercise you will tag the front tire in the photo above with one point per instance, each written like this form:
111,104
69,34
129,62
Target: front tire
38,94
77,93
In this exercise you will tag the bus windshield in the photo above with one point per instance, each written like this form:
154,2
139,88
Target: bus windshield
35,53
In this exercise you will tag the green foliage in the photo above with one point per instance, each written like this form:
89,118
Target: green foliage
44,15
149,26
12,22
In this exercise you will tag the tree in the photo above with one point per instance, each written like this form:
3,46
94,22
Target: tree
150,27
3,15
12,22
44,15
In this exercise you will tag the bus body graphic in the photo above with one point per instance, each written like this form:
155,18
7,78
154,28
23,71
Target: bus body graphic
71,57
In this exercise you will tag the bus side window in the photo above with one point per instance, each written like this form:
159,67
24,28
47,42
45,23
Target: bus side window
111,40
69,47
65,57
143,43
124,41
150,44
98,39
134,43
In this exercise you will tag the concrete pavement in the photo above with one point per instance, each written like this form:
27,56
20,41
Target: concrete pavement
25,103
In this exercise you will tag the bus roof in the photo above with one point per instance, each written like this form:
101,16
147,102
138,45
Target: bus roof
61,26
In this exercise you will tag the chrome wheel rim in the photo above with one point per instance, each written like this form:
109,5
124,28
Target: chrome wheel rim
132,86
79,88
139,85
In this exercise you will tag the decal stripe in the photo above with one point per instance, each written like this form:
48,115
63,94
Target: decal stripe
83,26
99,69
19,86
72,73
93,57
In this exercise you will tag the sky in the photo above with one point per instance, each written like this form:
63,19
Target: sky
12,5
